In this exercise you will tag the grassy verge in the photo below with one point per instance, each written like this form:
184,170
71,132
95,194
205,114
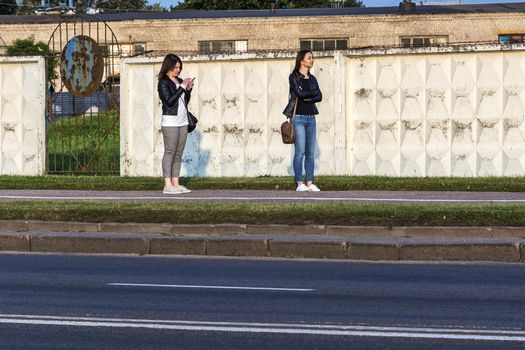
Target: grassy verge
327,183
257,213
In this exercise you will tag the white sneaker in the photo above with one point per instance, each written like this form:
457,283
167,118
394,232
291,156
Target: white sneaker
171,190
313,188
302,188
183,189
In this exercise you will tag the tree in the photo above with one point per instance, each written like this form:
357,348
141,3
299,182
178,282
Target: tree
256,4
156,8
28,47
27,7
8,7
81,6
122,5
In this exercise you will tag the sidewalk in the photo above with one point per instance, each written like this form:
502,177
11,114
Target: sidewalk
500,244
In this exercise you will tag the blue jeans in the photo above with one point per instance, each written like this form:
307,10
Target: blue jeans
305,134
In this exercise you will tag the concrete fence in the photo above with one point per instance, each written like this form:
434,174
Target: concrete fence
22,119
398,112
454,111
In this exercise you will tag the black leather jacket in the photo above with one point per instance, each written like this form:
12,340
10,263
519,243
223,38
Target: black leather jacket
169,94
313,95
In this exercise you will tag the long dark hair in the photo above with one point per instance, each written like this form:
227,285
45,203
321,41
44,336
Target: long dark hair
299,58
168,64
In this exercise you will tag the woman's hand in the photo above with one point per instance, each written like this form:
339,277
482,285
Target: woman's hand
187,84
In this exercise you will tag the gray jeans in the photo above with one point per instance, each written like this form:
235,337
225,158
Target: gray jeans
174,142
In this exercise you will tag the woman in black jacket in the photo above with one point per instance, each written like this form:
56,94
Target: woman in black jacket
304,93
175,96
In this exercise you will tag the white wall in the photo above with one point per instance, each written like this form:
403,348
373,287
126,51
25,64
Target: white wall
398,112
239,102
22,120
449,114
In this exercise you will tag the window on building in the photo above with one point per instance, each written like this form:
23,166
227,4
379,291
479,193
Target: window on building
420,41
139,48
511,38
223,46
324,44
113,50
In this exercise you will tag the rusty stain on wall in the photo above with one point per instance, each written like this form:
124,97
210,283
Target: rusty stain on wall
210,102
233,130
441,126
412,124
363,93
388,126
231,102
212,129
8,127
254,130
363,125
511,123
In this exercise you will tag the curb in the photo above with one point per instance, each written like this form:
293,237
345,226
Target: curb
280,241
226,229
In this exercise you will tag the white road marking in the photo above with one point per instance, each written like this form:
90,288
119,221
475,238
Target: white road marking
147,285
240,327
308,199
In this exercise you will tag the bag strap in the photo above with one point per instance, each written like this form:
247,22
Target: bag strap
295,107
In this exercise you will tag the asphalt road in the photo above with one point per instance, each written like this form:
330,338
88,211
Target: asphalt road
113,302
398,197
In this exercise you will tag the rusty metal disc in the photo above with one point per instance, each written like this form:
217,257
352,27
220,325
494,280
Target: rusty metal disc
81,65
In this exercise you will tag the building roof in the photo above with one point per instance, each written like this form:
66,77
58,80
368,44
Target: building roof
350,11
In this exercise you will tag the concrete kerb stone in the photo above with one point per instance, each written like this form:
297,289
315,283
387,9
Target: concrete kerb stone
88,244
192,229
221,229
211,229
369,231
287,229
513,232
62,226
373,251
134,227
236,246
504,252
14,225
474,232
14,243
308,249
178,245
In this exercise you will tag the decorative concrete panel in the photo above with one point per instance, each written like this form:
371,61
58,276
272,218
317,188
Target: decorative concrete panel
239,103
22,118
454,114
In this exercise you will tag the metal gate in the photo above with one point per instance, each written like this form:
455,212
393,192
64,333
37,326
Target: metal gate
82,111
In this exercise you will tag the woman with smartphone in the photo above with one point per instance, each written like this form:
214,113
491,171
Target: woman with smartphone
174,94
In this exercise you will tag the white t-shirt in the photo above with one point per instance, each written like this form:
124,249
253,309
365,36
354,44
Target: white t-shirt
181,119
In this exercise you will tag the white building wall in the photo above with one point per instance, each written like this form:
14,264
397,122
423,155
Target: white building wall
399,112
22,119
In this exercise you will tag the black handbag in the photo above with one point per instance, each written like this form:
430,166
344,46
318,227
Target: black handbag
192,122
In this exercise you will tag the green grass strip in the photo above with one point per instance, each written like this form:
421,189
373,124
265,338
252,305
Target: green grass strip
267,213
326,183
